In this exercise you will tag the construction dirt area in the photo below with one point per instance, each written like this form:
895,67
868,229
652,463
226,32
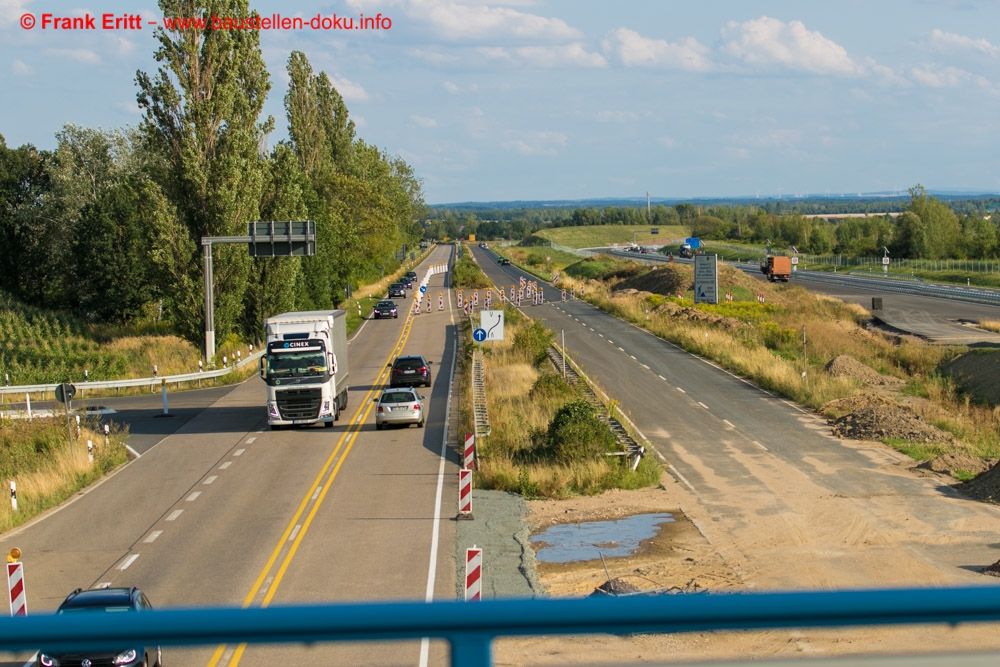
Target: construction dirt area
690,556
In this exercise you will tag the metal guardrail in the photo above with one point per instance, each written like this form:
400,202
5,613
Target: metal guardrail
135,382
480,415
917,288
471,627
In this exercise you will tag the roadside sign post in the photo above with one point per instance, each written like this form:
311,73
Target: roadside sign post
465,495
15,584
473,574
64,394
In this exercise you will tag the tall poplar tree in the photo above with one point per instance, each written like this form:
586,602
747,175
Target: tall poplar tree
202,116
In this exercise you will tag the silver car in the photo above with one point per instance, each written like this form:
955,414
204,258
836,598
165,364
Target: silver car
399,405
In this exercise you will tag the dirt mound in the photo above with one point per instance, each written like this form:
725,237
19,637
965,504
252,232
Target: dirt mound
846,366
887,422
984,487
666,281
955,462
675,311
615,587
843,406
992,570
977,373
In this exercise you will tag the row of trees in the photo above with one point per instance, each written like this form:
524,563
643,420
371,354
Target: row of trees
925,227
109,224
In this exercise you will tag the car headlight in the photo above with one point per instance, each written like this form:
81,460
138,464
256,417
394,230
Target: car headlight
272,410
126,657
326,409
47,661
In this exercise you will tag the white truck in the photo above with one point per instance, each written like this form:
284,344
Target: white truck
305,367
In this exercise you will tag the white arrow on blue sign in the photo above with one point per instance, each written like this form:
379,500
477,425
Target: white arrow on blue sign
479,335
423,289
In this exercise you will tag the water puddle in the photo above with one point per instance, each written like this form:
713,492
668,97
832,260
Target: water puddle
569,542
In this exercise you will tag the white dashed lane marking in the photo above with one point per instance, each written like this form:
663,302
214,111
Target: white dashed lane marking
152,536
128,561
173,515
193,496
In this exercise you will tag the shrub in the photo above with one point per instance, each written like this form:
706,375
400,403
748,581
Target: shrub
576,434
534,339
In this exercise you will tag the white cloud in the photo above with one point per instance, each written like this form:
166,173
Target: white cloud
80,55
544,56
935,76
667,142
777,138
552,56
11,10
351,92
769,43
423,121
474,21
130,107
617,116
19,68
634,50
455,89
435,57
125,47
538,143
949,42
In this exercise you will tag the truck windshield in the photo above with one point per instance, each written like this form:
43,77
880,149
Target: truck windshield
296,364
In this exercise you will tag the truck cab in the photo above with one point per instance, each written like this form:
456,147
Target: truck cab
305,368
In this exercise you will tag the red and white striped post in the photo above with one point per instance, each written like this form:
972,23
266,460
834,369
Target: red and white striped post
13,495
440,301
465,494
470,451
15,584
680,296
473,574
428,303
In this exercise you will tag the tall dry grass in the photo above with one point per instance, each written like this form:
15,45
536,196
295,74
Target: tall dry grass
48,477
766,347
990,325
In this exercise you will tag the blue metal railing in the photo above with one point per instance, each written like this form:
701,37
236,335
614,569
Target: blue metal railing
470,628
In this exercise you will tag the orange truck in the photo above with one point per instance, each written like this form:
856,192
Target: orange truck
776,268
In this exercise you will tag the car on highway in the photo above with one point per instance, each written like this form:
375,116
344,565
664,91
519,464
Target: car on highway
400,405
407,282
504,261
410,371
412,277
384,309
397,290
109,601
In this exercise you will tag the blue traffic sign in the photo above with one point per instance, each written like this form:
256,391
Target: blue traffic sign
479,335
423,289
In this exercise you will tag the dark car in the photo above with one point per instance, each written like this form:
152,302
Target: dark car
410,371
384,309
504,261
407,282
109,601
397,289
399,405
412,275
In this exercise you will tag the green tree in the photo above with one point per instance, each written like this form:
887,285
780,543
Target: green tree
201,117
941,227
709,227
909,239
112,281
980,237
273,285
24,257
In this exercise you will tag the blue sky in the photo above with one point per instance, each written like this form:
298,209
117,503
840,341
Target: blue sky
574,99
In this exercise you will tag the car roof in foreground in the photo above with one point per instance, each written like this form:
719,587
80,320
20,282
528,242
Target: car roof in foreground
98,597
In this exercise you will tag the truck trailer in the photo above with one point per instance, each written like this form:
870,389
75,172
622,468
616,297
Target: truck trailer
776,268
305,367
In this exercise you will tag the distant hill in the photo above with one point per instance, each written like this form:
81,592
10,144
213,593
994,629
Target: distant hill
893,201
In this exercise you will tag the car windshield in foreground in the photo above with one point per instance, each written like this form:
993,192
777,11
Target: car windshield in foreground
111,609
